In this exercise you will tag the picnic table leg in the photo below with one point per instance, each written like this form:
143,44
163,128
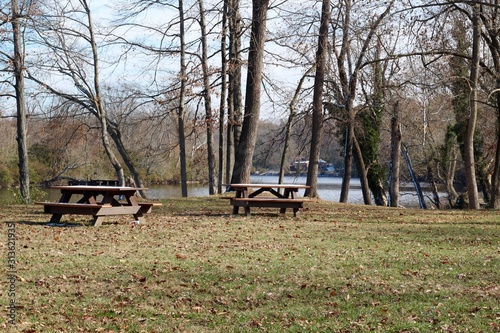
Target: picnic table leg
290,193
240,193
98,221
139,217
295,212
55,218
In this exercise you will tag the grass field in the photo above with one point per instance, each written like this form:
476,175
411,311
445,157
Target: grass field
192,267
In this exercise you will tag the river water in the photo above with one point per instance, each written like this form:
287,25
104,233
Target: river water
328,189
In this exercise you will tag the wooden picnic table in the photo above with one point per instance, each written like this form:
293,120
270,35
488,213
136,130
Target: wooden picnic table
98,201
247,195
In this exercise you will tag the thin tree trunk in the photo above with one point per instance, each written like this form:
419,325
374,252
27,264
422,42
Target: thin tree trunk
414,179
495,181
286,144
317,113
470,169
180,109
22,124
435,195
209,122
346,178
495,56
223,97
450,176
395,158
449,163
362,172
230,145
236,64
289,123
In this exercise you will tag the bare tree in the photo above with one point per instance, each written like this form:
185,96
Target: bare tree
349,67
368,132
207,94
22,136
180,110
394,169
317,116
68,62
490,17
246,145
470,168
289,123
223,96
235,99
97,98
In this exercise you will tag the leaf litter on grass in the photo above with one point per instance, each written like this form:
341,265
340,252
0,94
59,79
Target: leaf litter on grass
338,268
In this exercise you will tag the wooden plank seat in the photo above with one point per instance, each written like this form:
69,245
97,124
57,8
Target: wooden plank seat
88,209
272,202
146,207
98,211
70,208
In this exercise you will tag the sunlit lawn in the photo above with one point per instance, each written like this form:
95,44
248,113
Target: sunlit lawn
195,268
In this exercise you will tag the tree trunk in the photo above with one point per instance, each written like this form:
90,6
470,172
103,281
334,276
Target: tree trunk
470,169
180,109
494,47
230,145
371,119
349,83
209,121
107,145
448,164
346,178
235,99
495,182
377,188
414,179
395,158
22,136
435,195
360,165
450,176
223,97
115,134
317,113
246,144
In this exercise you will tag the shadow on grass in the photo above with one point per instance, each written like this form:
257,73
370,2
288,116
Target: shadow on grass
48,224
230,215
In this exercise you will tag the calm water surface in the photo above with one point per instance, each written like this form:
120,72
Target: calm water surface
328,189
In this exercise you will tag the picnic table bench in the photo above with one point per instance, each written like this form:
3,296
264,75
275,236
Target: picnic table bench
246,198
116,200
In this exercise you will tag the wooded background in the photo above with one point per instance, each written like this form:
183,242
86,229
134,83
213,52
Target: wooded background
178,91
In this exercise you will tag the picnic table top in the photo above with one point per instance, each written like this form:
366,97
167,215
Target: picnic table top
290,186
96,188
